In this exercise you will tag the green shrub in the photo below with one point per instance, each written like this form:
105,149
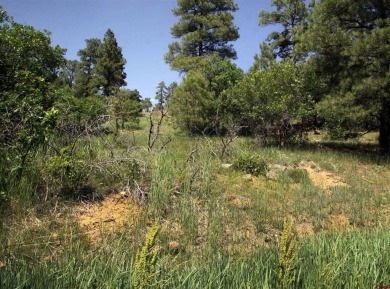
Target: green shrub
298,175
250,164
65,172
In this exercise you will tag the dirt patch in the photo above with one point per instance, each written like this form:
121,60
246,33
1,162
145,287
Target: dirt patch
238,201
304,229
338,222
243,239
113,214
323,179
173,229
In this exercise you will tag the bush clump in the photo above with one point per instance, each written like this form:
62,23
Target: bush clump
250,164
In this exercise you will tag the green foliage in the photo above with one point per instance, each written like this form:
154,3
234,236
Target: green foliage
251,164
110,65
67,75
287,255
192,102
291,15
146,104
145,260
127,107
85,84
65,172
200,103
79,116
298,175
271,101
161,94
29,66
348,44
204,27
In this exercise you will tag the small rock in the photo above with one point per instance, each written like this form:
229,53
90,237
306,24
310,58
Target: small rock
226,166
123,194
2,264
174,246
277,167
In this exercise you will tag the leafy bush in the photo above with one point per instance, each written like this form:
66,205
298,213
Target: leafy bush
250,164
65,172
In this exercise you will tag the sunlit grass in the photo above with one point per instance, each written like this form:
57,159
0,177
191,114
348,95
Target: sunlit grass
227,223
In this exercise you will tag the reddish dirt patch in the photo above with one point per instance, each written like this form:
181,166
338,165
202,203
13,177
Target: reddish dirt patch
115,213
323,179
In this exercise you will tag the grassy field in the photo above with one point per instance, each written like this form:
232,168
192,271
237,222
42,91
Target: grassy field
222,213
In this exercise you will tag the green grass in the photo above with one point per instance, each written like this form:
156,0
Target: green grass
228,227
344,260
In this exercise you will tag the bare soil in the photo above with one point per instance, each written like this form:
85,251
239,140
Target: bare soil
115,213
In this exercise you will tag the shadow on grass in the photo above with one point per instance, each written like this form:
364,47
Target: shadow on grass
363,152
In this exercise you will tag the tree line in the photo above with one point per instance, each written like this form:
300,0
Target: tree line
326,67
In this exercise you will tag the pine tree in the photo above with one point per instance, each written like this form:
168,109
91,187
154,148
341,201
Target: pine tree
205,27
161,95
291,14
84,84
110,66
349,45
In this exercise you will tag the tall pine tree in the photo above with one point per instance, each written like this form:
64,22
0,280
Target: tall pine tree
205,27
84,83
110,65
349,45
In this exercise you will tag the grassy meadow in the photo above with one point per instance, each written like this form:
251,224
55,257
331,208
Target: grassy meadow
222,210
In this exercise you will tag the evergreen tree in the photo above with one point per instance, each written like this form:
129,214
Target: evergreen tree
68,73
205,26
170,91
263,61
349,45
146,104
161,95
84,78
200,103
110,65
291,14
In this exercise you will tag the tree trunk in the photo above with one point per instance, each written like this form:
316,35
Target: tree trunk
384,130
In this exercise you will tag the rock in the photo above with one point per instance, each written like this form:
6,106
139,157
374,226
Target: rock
277,167
226,166
274,171
123,194
174,246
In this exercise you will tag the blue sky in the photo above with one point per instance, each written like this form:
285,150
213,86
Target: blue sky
141,27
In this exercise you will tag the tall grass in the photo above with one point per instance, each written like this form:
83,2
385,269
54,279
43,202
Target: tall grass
344,260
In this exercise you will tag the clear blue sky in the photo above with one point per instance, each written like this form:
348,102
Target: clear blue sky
141,27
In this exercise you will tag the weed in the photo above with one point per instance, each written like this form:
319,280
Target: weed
145,260
287,255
